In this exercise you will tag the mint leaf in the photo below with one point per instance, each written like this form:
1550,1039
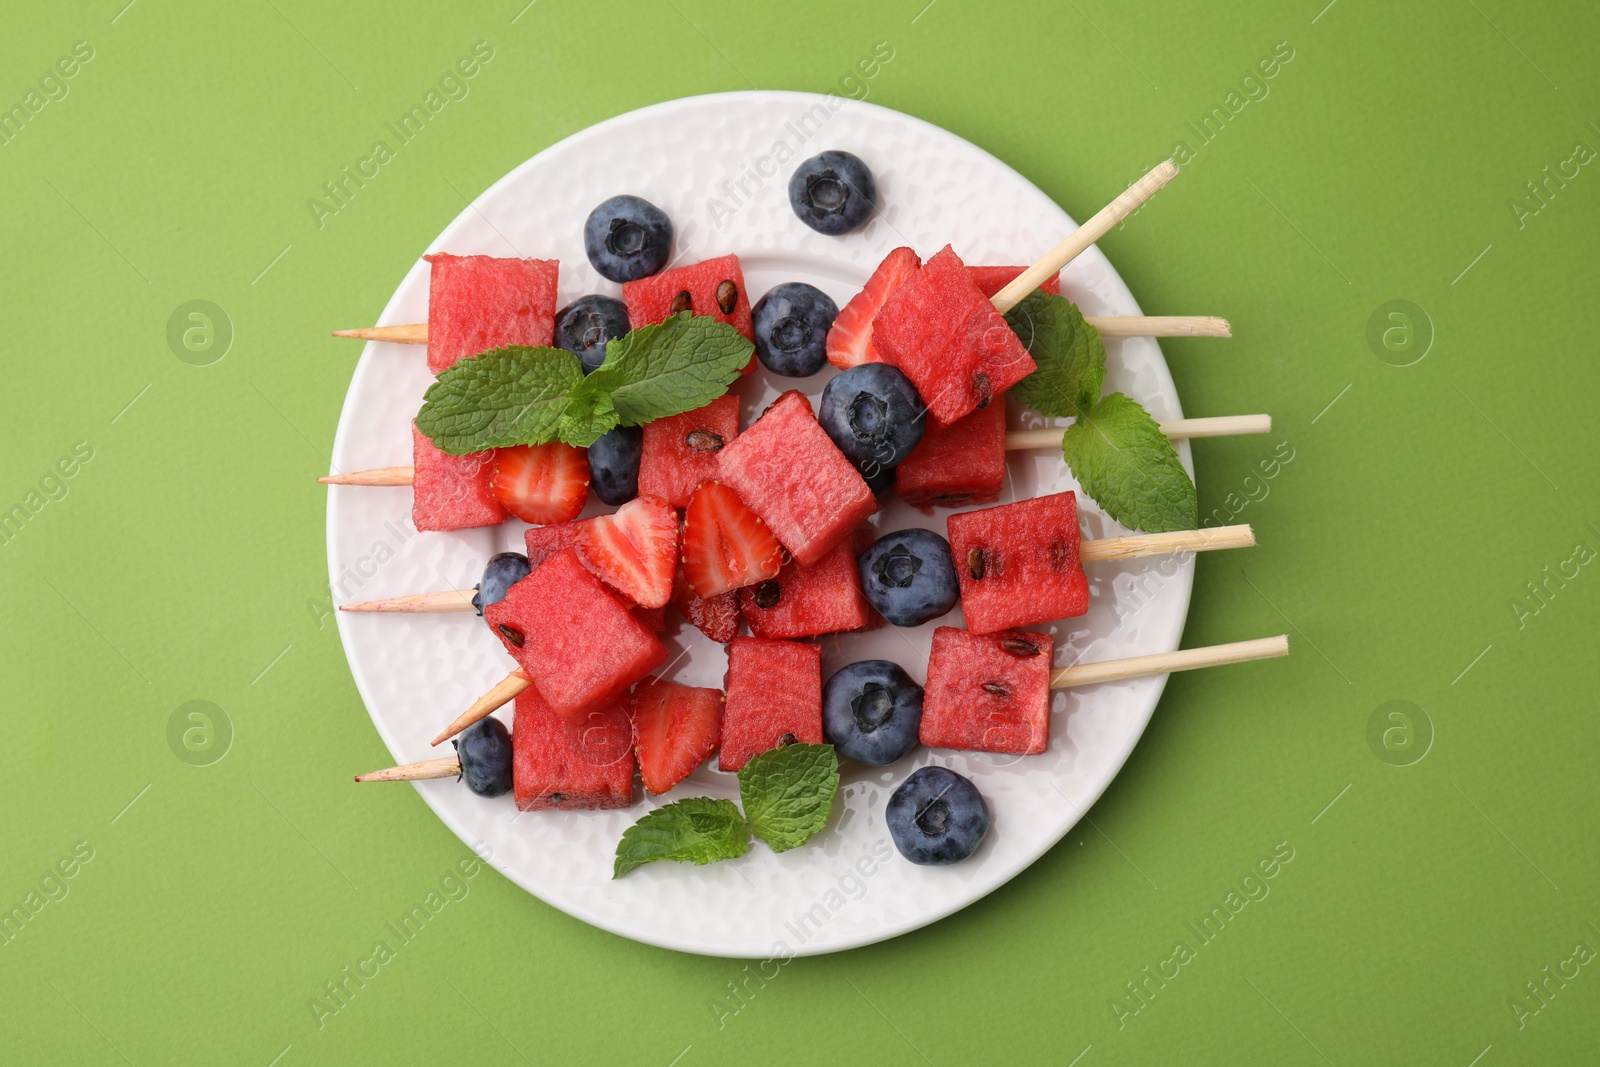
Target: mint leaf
1123,460
671,367
788,792
696,830
1071,359
589,414
505,396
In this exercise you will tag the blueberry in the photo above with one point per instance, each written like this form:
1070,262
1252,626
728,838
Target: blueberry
909,576
871,711
937,817
833,193
874,415
627,238
584,326
484,749
791,326
614,464
503,570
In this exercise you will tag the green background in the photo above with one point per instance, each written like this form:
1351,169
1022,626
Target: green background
186,559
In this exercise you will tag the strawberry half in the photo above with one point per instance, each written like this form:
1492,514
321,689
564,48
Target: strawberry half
717,617
541,484
725,545
850,339
675,727
633,551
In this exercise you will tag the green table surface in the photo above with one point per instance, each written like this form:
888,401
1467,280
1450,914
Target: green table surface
1430,542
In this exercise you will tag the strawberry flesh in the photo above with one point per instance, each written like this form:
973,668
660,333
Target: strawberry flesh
725,545
717,616
541,484
634,551
675,727
850,339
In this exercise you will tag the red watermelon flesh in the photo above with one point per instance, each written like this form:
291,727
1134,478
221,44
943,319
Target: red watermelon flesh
990,280
675,727
567,764
451,492
774,692
579,645
792,475
988,692
481,302
1018,563
680,451
946,336
715,288
715,616
956,465
545,541
824,598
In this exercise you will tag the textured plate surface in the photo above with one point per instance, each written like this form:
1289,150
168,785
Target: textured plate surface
719,166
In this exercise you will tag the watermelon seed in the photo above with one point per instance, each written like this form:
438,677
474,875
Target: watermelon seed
515,636
557,798
704,441
786,740
681,302
982,389
975,564
1059,554
727,296
996,689
1018,647
767,594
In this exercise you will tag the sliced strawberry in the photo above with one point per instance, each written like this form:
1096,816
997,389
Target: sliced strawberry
541,484
675,727
633,551
850,339
725,545
717,617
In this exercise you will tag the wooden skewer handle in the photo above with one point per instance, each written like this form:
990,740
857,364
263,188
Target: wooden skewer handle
1177,429
443,600
504,691
1167,544
448,767
1160,326
412,333
1085,235
1116,670
376,476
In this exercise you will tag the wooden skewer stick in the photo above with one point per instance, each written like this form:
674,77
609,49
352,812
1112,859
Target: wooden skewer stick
415,333
449,767
1084,236
504,691
1188,659
1128,546
376,476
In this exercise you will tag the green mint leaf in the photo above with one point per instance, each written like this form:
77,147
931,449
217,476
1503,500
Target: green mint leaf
1123,460
788,792
505,396
696,830
589,414
671,367
1071,359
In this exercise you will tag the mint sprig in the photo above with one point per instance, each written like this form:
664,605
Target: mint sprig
1071,359
787,794
1123,460
522,395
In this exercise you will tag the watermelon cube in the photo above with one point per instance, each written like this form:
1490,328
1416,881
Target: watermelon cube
990,280
963,463
451,492
785,467
1018,563
561,763
675,727
571,636
481,302
946,336
680,451
712,287
774,695
988,692
545,541
824,598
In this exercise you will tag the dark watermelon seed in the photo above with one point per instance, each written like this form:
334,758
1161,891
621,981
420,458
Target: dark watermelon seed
786,740
727,296
515,636
953,498
557,798
1018,647
1059,555
996,689
703,441
975,564
681,302
768,594
982,389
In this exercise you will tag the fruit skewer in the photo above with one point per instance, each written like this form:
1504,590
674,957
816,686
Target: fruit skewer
1115,670
1016,441
1130,546
483,760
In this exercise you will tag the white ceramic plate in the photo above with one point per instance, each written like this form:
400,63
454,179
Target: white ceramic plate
719,166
